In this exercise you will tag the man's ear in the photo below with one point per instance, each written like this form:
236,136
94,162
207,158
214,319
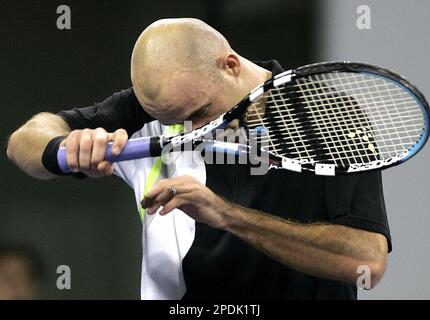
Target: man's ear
232,64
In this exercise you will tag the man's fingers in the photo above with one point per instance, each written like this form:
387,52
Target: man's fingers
172,204
156,197
105,167
119,138
100,140
85,149
182,184
72,149
150,196
160,193
167,207
165,196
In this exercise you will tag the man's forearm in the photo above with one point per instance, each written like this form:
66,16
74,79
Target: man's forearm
322,250
26,145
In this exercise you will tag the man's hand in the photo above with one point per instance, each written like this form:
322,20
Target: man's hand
322,249
189,195
86,150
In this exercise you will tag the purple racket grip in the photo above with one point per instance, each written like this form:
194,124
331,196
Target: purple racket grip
134,149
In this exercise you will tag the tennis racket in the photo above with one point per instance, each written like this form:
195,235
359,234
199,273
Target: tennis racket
327,118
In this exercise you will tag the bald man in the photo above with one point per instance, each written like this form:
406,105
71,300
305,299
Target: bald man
232,235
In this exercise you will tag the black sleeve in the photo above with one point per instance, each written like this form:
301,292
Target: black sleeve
357,201
121,110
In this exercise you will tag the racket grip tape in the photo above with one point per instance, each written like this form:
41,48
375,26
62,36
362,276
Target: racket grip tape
134,149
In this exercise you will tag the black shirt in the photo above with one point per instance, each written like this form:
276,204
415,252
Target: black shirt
220,265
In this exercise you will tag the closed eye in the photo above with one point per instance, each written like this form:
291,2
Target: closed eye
199,112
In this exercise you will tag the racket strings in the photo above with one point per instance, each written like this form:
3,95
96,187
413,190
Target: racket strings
275,107
345,120
409,108
407,103
281,135
287,138
336,128
383,117
351,118
365,144
408,114
255,113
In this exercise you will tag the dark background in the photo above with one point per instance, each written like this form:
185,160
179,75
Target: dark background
93,225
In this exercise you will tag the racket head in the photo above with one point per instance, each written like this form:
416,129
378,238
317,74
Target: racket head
336,117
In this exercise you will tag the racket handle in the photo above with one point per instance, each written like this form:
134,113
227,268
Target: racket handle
134,149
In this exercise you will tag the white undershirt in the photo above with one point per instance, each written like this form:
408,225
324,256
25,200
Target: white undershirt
165,239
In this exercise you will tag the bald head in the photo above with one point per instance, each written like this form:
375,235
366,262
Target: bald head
170,47
183,69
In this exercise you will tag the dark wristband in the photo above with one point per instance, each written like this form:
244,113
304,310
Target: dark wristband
50,162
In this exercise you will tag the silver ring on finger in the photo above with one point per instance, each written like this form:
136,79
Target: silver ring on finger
173,191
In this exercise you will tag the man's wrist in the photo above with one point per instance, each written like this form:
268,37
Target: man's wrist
50,161
49,157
